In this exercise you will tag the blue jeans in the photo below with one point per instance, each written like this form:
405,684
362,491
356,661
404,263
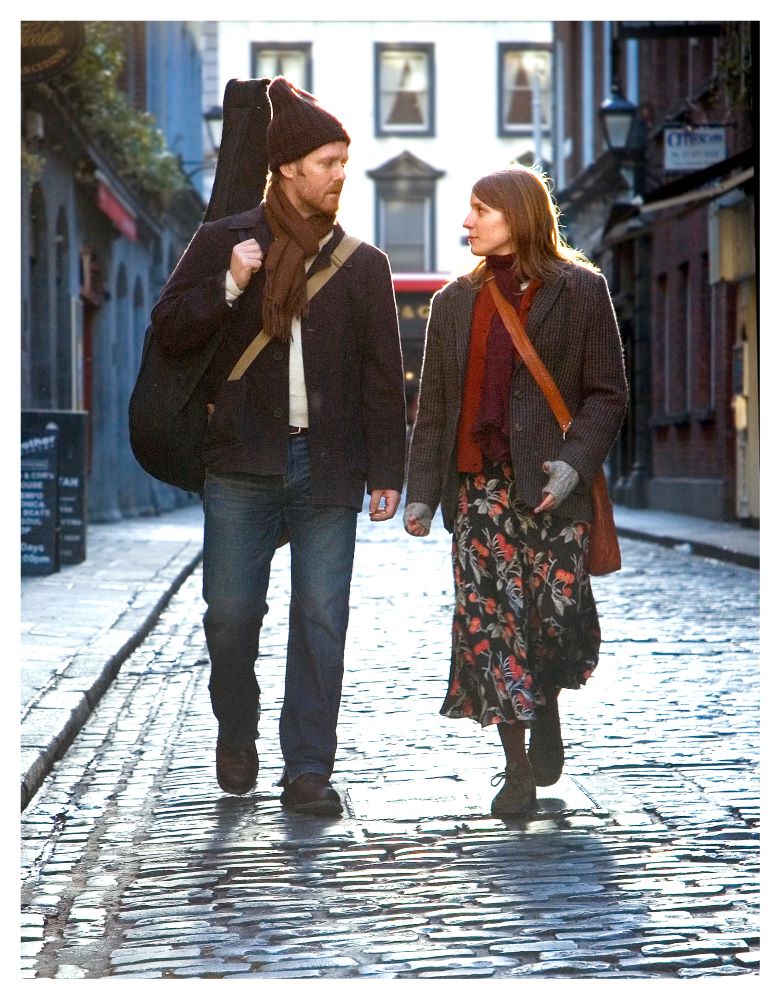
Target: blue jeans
244,515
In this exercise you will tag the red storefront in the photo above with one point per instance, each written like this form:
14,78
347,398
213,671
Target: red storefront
413,298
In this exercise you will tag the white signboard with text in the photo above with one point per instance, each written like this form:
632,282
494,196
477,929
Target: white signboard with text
694,148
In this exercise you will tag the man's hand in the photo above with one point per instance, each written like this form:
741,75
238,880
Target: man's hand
246,259
392,498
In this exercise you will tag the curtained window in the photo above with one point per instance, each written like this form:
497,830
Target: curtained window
404,89
291,60
525,76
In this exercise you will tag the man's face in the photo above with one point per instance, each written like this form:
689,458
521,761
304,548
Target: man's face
313,183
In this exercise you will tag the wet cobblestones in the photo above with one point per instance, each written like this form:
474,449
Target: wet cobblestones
641,863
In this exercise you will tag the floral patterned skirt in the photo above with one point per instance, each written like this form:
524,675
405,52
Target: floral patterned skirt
525,620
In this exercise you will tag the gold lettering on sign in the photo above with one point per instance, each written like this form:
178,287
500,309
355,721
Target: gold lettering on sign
42,33
46,63
408,311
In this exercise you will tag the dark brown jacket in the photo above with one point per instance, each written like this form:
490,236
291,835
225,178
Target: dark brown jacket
352,362
573,328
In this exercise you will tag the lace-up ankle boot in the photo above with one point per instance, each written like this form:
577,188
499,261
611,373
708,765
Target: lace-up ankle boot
517,795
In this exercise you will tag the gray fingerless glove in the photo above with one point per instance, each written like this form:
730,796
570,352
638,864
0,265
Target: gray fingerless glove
563,480
421,511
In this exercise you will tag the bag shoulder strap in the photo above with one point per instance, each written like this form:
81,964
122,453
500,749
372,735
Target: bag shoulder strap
341,253
339,256
530,357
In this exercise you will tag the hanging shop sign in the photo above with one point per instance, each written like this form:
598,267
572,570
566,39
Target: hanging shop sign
694,148
49,47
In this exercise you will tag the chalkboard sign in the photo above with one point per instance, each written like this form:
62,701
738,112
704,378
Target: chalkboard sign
71,426
39,503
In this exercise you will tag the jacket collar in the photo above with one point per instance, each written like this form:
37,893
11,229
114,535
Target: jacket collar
254,223
462,300
323,258
545,299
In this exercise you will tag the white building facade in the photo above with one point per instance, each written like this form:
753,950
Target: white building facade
430,106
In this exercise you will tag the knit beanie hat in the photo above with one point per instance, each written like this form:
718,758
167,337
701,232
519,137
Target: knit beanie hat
298,124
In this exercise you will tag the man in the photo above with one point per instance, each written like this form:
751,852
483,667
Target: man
315,422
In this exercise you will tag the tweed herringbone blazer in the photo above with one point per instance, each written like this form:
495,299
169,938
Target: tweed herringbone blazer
573,327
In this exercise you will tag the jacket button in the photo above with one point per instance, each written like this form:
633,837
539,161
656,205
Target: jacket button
518,427
279,412
278,355
518,393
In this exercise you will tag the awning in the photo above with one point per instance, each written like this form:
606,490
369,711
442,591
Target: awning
427,282
711,191
112,205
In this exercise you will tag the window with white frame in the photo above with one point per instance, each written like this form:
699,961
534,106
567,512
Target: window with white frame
405,232
405,204
291,60
525,89
404,89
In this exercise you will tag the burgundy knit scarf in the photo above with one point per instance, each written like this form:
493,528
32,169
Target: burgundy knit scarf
295,239
492,426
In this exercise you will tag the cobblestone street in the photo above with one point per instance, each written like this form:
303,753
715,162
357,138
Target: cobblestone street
641,862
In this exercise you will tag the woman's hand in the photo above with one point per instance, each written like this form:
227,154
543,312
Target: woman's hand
561,482
417,519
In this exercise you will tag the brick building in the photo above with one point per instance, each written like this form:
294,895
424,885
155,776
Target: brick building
669,216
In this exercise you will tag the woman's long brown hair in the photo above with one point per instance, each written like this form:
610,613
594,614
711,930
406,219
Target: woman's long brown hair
523,197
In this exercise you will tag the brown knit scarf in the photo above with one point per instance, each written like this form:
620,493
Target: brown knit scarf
295,239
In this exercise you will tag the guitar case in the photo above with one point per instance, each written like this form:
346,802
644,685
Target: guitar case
167,409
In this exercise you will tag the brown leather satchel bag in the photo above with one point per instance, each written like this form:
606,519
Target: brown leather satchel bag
604,553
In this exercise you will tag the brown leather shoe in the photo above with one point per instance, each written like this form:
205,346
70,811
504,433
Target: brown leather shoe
312,794
237,768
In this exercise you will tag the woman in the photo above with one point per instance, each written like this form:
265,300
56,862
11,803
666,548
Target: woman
514,491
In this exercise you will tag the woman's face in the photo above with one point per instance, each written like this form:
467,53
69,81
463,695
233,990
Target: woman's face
487,228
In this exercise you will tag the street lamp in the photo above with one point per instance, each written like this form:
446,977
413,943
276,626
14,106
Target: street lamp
625,135
618,116
213,120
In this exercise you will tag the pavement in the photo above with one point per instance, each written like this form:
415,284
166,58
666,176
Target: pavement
641,862
79,625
